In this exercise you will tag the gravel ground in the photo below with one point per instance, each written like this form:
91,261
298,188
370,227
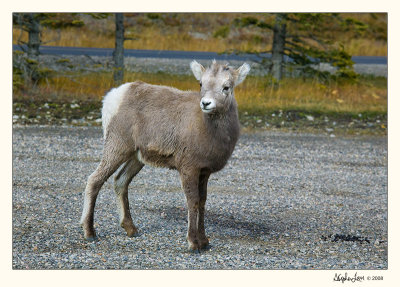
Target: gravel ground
284,201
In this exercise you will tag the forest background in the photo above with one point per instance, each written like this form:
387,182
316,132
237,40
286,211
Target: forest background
307,100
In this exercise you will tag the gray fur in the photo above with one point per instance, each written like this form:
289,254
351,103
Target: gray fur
166,127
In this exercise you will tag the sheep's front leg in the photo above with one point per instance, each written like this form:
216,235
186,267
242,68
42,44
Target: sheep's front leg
203,240
190,181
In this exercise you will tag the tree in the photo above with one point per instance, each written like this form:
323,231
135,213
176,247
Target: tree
278,46
119,49
302,38
118,53
30,22
33,23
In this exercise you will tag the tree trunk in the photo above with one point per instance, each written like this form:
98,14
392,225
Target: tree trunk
33,26
278,48
119,49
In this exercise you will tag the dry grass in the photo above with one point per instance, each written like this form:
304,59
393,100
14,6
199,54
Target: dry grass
298,94
365,47
151,38
253,96
197,31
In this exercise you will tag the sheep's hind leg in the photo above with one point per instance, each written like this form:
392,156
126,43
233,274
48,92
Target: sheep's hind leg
111,160
121,183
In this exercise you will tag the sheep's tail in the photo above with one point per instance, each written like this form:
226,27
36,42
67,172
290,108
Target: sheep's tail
111,103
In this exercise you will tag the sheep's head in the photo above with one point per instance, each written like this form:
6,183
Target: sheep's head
216,85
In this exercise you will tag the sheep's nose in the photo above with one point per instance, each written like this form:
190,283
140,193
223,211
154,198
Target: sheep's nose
205,103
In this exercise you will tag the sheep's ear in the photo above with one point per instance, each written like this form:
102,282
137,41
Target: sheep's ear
197,70
241,73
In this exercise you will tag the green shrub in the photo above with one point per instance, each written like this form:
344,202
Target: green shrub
222,32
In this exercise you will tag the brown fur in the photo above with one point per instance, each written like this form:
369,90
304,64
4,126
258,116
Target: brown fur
166,127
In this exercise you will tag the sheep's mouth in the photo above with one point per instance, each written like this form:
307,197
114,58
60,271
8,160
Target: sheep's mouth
208,108
208,111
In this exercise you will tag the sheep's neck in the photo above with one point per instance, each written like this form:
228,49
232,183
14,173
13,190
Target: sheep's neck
223,126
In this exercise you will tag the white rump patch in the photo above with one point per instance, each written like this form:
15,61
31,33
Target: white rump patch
111,104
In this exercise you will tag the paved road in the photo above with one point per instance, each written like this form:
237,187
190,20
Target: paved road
285,201
76,51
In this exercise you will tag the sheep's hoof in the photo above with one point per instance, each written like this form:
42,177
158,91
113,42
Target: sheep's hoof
134,233
89,235
194,247
206,247
204,244
130,229
199,250
195,251
199,245
91,238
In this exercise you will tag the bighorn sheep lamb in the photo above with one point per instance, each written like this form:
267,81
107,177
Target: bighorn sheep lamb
192,132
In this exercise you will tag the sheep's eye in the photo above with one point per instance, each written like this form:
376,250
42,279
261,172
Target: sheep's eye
201,84
225,89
